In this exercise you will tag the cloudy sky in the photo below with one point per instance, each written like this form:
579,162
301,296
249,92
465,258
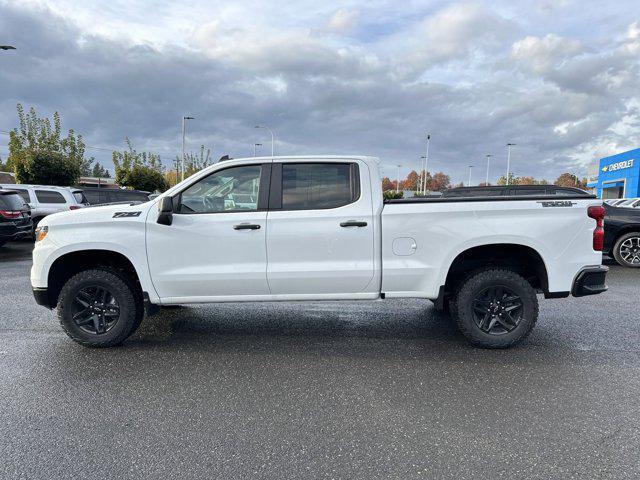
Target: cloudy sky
560,78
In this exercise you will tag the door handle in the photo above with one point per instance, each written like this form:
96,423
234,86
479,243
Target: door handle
353,223
246,226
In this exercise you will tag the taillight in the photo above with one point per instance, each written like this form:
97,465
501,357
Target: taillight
10,213
597,212
74,207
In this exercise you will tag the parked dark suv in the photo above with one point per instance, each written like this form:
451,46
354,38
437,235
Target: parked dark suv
15,217
514,190
100,196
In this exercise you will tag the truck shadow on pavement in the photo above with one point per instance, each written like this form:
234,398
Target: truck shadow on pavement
295,324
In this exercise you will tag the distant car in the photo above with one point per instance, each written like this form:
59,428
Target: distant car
514,190
15,217
615,201
103,196
628,203
622,235
46,199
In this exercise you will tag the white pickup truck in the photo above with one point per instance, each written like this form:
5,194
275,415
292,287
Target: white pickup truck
315,228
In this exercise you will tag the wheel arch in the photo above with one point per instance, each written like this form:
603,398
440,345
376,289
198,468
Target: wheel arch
522,259
71,263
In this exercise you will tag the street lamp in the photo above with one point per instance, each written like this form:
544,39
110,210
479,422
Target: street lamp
272,135
486,182
426,166
469,182
509,145
7,47
421,185
398,179
184,121
254,148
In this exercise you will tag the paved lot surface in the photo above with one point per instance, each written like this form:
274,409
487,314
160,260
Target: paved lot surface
348,390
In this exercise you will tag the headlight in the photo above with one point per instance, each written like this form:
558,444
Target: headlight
41,232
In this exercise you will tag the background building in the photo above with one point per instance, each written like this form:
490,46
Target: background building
618,176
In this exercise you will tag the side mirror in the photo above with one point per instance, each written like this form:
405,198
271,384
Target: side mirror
165,211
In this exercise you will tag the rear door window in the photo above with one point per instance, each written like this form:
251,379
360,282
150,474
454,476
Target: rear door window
312,186
48,196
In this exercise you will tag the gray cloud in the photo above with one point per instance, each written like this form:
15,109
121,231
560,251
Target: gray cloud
473,78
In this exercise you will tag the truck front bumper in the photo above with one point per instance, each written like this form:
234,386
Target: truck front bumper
590,281
42,296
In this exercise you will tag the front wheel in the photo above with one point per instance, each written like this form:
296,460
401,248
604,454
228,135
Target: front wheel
98,308
626,250
495,308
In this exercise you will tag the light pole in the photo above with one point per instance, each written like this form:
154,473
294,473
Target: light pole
469,182
184,126
254,148
422,180
272,136
398,179
509,145
426,166
486,182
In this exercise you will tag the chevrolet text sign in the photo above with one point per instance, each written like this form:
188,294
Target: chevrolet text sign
618,166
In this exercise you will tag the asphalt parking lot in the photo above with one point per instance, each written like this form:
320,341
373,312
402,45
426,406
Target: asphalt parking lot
385,389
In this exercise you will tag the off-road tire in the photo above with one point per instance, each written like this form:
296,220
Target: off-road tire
616,250
462,307
122,289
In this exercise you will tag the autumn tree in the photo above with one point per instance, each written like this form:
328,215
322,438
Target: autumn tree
388,184
570,180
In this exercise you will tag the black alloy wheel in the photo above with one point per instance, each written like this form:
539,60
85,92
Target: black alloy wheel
97,310
497,310
100,307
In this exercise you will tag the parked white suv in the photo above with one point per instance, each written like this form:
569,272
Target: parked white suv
45,199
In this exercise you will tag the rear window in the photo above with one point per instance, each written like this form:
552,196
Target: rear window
48,196
308,186
79,196
23,193
11,201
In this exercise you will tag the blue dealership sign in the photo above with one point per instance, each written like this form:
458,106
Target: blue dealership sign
619,175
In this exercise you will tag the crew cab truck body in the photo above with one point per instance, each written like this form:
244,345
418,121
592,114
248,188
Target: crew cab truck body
315,228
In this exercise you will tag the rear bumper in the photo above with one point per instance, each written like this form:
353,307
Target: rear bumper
11,231
590,281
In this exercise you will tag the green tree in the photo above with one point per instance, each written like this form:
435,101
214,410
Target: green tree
42,135
99,171
47,168
193,162
139,170
145,178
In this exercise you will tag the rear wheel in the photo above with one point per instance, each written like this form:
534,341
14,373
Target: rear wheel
495,308
626,250
99,308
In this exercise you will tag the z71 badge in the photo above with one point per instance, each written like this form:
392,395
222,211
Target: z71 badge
557,203
126,214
